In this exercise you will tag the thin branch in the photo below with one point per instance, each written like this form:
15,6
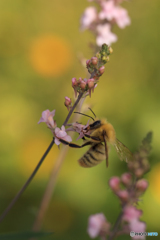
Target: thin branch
114,232
38,165
52,182
27,183
72,109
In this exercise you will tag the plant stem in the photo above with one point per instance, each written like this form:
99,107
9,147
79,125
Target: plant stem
52,181
38,165
72,109
27,183
113,233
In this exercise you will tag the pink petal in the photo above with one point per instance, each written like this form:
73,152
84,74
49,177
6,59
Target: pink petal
45,114
95,223
52,113
68,138
137,226
51,121
131,213
57,130
63,128
57,142
61,134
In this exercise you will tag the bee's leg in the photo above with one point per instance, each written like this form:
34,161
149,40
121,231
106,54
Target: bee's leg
106,147
92,137
73,145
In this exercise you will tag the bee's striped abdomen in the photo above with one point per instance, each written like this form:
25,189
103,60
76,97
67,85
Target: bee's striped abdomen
93,156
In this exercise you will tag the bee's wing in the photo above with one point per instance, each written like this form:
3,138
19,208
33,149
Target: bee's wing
123,152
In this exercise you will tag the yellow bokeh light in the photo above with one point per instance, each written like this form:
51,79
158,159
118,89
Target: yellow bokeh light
32,150
50,55
155,182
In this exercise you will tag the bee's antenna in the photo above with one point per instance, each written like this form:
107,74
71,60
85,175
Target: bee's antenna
84,115
92,111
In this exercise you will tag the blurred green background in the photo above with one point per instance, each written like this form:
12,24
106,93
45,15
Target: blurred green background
40,43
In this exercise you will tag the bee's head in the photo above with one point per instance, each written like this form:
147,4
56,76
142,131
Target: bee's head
96,124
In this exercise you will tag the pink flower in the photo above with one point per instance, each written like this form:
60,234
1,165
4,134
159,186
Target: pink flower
61,134
126,179
89,15
123,195
79,128
114,183
105,35
95,224
108,10
47,117
141,185
137,226
130,213
68,103
121,17
111,11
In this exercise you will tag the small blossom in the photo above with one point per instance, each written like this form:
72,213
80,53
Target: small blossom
141,185
95,224
137,226
114,183
83,85
130,213
68,103
61,134
89,16
126,179
94,60
123,195
121,17
108,10
101,69
74,82
88,62
90,83
47,117
79,128
105,35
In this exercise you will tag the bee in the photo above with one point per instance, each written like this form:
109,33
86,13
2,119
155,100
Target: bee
101,133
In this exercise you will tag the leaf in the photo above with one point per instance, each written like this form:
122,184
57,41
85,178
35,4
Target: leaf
23,235
145,148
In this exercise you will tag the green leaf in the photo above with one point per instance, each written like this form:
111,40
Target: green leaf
23,235
145,148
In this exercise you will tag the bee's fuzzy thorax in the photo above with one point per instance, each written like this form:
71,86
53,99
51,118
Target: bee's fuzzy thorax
108,129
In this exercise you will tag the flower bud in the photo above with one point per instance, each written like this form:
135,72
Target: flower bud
74,82
110,50
126,179
141,185
80,80
114,183
90,83
67,102
139,172
88,62
94,60
123,195
82,85
101,69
